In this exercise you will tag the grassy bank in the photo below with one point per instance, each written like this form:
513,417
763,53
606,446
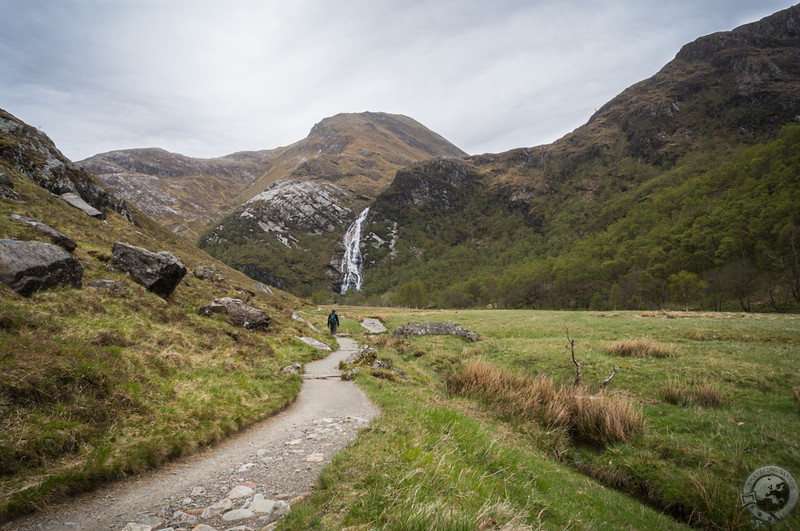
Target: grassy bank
97,384
716,393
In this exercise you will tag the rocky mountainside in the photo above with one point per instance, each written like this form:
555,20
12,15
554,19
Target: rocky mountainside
359,152
30,152
183,193
613,213
288,231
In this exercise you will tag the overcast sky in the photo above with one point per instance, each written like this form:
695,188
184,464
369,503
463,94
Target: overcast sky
210,77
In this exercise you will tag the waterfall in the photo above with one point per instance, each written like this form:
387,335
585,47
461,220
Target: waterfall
351,261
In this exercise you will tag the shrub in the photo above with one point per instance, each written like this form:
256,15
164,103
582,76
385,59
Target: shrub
640,348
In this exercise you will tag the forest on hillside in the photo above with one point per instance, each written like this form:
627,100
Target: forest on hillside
717,230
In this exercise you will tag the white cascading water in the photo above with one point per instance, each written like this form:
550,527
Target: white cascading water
351,261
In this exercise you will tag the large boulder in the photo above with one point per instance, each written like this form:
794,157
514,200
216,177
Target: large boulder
434,328
30,266
58,238
239,314
158,272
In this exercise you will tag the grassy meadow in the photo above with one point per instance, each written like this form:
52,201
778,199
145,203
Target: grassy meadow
494,434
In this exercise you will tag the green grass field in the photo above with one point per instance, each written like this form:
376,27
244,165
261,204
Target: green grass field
718,398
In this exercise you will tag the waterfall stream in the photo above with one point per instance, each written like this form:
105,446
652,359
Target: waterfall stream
352,261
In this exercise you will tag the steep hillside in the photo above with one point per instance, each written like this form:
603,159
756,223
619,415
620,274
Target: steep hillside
289,233
678,190
184,194
101,377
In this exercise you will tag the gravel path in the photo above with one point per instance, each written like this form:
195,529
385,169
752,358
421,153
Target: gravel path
278,459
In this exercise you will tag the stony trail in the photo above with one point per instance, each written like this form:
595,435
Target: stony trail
276,460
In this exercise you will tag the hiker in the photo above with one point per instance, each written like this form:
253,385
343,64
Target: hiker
333,322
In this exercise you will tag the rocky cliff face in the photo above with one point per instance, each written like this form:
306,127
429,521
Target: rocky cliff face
185,194
33,154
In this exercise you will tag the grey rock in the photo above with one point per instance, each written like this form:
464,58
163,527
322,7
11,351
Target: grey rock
208,273
239,314
110,285
133,526
434,328
217,509
78,202
374,326
264,288
281,508
238,514
55,236
27,267
158,272
294,368
240,491
260,505
365,356
7,187
314,343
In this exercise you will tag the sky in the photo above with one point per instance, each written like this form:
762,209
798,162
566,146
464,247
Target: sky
206,78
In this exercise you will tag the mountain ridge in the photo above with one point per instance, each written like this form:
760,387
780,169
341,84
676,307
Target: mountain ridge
358,151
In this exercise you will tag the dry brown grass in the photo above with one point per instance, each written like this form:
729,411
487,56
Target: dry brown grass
640,348
676,392
708,394
797,394
600,419
704,393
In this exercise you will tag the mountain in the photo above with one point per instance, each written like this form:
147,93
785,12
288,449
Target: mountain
359,152
288,231
183,193
683,186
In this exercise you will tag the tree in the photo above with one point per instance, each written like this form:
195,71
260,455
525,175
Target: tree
412,294
686,286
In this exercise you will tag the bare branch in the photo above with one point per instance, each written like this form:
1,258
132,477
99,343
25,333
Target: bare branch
571,346
605,382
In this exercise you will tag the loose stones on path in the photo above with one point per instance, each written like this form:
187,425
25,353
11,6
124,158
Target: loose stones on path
254,494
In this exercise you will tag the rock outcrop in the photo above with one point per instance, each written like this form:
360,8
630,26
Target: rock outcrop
434,328
158,272
239,314
30,266
31,153
58,238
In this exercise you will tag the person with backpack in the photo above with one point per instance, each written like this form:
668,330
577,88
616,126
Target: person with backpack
333,322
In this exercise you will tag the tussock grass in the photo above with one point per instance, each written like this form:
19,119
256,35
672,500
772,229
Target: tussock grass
640,348
703,393
599,419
